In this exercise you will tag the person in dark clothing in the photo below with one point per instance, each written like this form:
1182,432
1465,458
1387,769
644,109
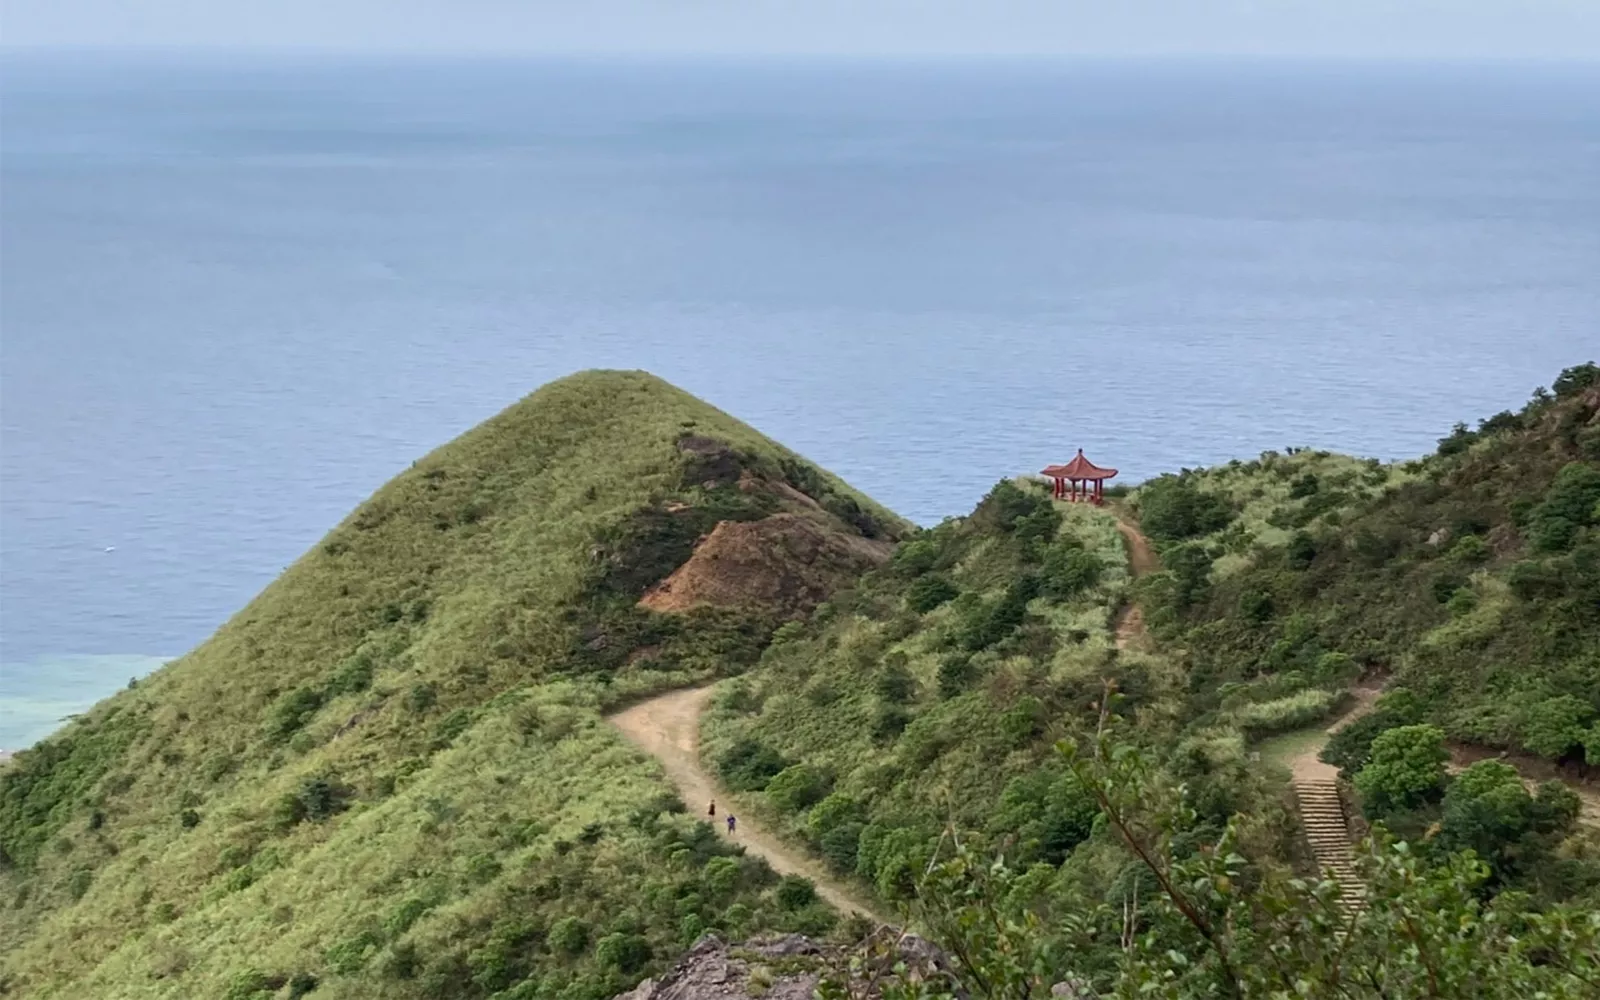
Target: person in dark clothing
712,811
731,822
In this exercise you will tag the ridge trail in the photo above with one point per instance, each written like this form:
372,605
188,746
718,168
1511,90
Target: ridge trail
667,728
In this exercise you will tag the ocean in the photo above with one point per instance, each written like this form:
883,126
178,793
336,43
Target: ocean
238,294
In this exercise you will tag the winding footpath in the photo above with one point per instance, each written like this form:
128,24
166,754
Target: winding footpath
668,728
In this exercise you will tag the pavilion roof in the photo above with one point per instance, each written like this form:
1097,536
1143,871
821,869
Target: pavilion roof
1078,468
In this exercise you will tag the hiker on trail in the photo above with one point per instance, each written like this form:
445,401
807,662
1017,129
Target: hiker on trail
713,810
731,823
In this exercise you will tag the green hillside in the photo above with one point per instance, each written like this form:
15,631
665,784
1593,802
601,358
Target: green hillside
388,774
1471,577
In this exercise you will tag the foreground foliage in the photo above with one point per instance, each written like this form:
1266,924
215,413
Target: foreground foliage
1199,919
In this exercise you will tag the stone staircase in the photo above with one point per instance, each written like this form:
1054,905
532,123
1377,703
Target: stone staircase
1322,816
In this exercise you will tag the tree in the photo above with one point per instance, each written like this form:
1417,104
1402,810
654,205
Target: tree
1405,769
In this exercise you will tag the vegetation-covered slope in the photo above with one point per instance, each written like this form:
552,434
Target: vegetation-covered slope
1473,575
387,775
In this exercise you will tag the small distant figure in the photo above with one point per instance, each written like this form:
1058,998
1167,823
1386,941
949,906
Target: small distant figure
732,823
712,810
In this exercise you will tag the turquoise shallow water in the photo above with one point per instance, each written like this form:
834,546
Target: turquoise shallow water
236,298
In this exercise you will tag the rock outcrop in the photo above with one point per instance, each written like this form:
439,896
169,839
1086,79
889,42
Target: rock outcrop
789,967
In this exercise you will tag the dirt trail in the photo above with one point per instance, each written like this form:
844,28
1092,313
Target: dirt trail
1141,560
1304,766
668,729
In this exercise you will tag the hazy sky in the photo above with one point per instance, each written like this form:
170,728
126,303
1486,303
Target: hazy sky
1509,28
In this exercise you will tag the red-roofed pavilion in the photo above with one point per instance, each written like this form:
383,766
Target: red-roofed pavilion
1080,480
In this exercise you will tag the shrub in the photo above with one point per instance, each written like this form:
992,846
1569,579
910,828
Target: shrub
353,676
189,819
1470,550
1461,603
1173,508
840,844
956,674
1458,441
1190,568
421,697
1303,486
1301,550
569,936
929,592
749,765
795,892
321,797
1568,505
1576,379
1255,605
1556,726
292,711
915,557
833,811
1405,769
624,952
889,722
797,787
894,683
1008,508
1299,709
1068,570
1486,809
988,623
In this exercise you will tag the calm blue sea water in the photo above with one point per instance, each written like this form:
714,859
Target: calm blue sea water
237,296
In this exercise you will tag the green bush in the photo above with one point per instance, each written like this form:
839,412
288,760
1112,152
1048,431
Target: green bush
1292,712
352,677
1470,550
1557,726
1301,550
1404,770
1069,570
929,592
840,845
626,953
795,892
1568,506
1303,486
1173,508
1576,379
1487,810
1461,603
1255,605
797,787
569,936
889,722
292,711
833,811
956,674
894,683
749,765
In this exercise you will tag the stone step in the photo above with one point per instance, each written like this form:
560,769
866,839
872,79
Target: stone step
1327,833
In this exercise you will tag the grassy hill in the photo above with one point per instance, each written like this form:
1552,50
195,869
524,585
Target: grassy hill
387,775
